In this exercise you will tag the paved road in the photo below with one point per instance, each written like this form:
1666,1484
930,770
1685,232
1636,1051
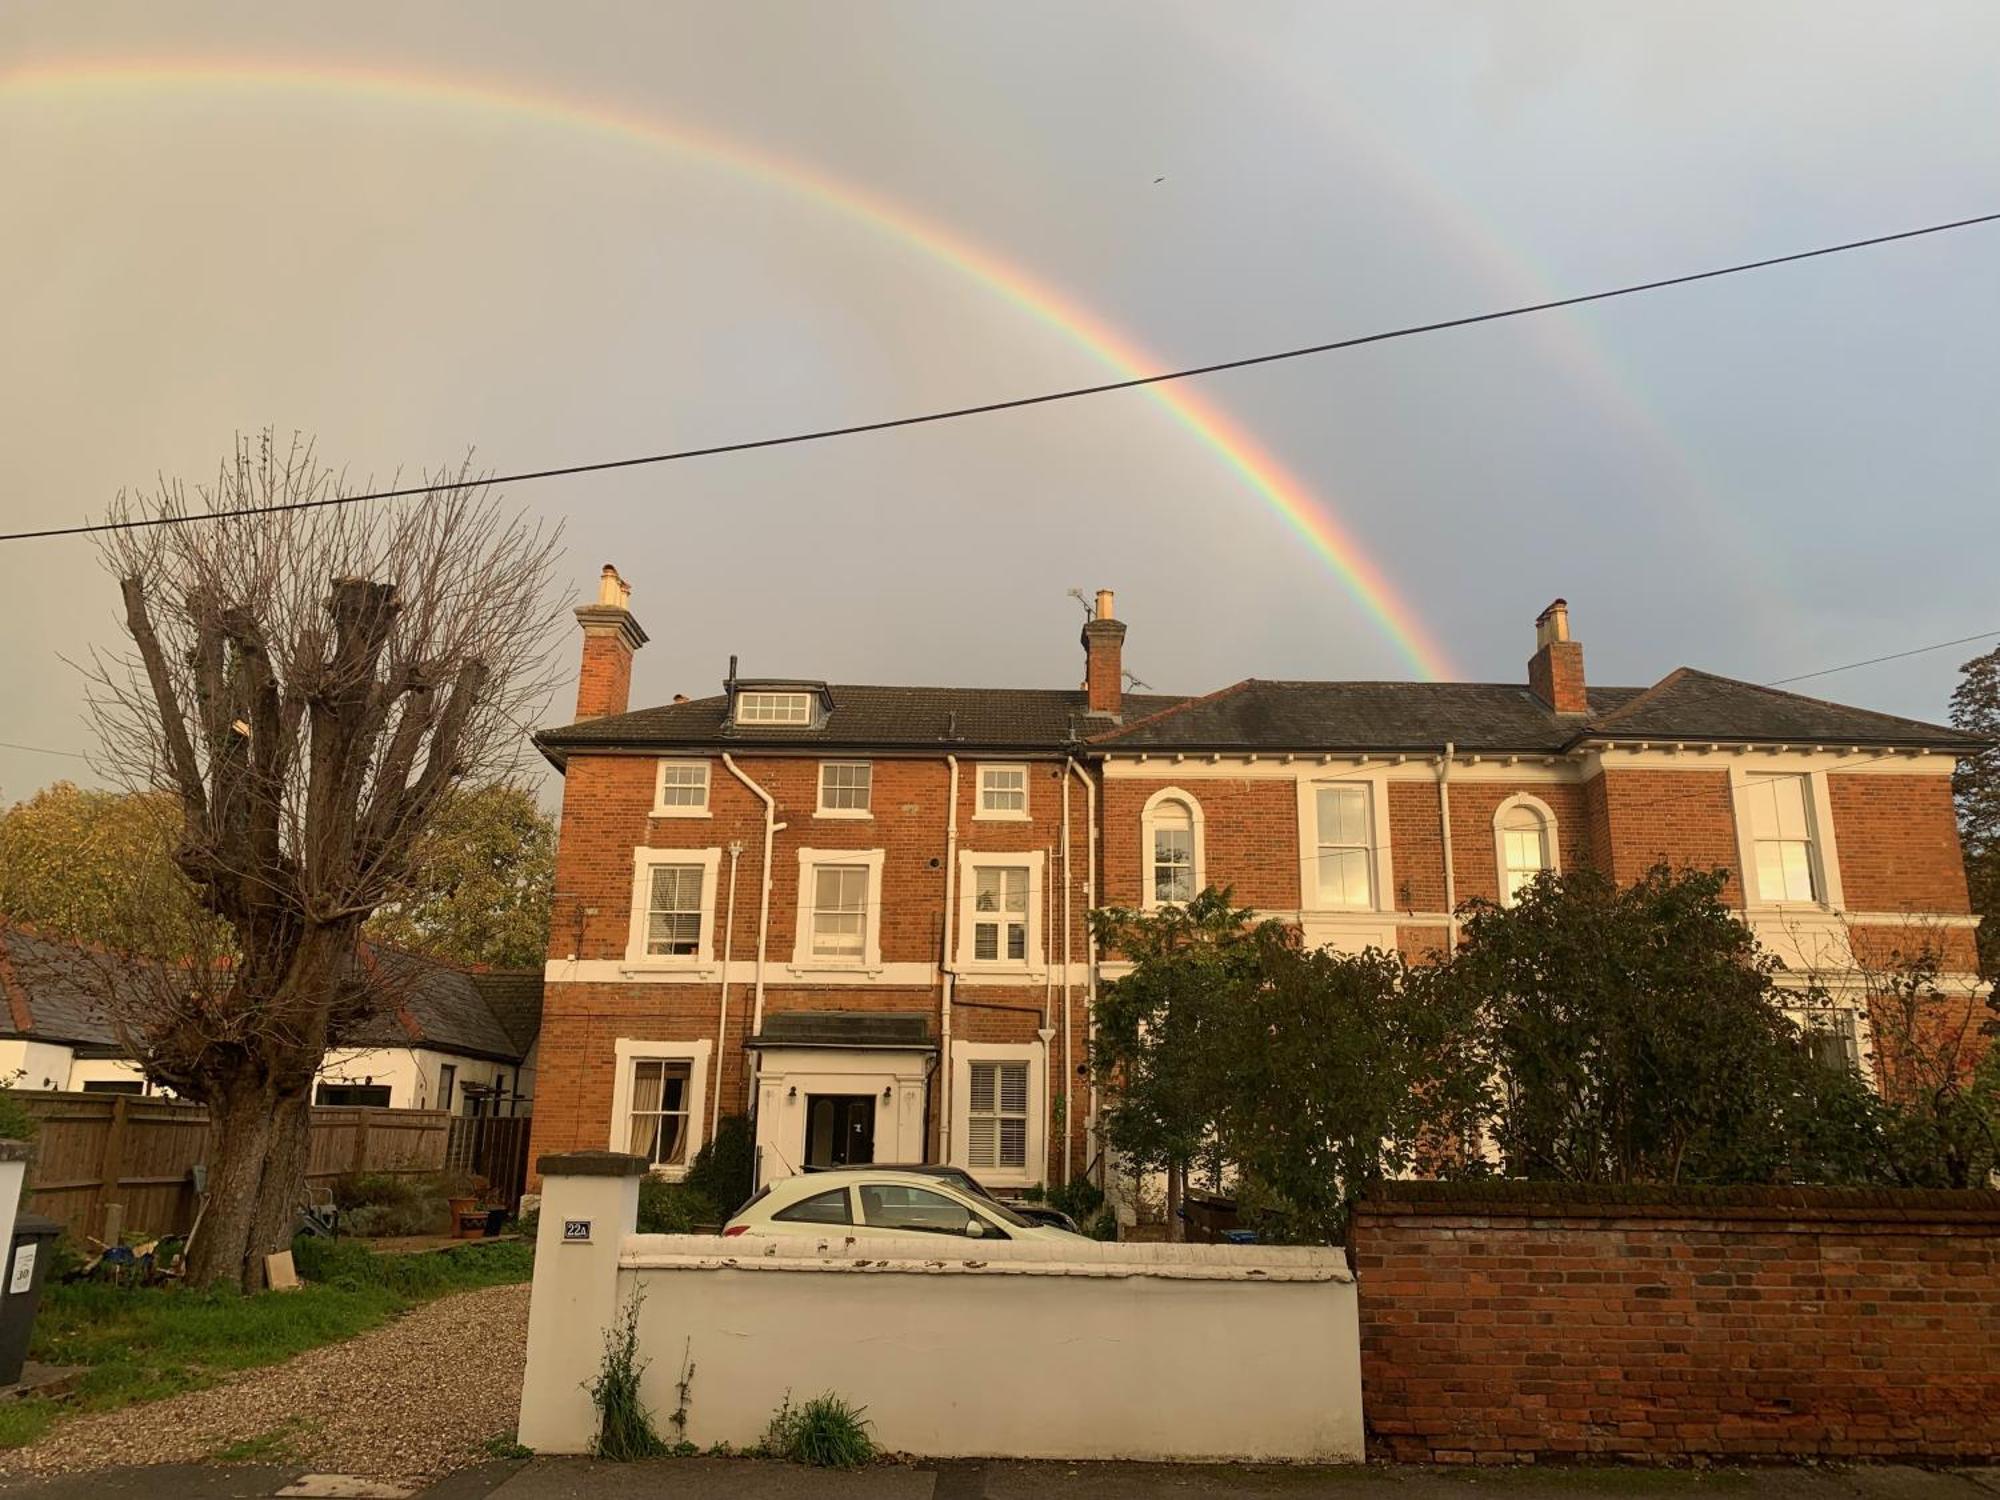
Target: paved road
737,1479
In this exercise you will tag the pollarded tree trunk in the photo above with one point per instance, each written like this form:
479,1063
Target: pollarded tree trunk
311,681
240,1119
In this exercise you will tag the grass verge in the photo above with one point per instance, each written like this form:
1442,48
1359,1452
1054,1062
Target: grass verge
143,1343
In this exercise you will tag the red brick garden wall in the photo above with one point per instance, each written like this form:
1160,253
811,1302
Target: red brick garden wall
1508,1321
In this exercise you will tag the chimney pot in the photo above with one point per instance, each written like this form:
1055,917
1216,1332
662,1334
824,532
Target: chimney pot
1104,603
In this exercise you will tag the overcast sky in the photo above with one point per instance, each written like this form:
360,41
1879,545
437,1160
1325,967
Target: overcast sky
1760,476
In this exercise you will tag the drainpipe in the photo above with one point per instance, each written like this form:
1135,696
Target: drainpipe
763,909
1444,828
1068,1085
945,974
1048,943
1090,938
722,1010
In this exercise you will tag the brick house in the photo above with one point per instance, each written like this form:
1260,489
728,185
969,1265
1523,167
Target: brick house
858,913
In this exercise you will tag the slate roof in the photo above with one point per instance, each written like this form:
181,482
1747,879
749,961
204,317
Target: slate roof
448,1009
54,988
1691,705
515,998
846,1028
1264,715
1481,717
864,717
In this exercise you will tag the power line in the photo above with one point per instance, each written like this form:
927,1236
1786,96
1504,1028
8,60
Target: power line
43,750
1964,640
1016,403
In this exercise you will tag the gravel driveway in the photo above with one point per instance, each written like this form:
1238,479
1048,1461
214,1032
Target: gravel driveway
409,1400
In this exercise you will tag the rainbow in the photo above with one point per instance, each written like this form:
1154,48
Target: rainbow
1285,494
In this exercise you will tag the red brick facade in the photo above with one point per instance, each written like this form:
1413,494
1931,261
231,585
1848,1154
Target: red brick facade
1616,807
1507,1322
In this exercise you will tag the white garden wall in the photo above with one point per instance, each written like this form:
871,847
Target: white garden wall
1096,1351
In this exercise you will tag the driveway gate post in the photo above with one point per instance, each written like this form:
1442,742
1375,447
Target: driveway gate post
590,1202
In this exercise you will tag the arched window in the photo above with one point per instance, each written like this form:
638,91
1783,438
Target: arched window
1171,855
1524,837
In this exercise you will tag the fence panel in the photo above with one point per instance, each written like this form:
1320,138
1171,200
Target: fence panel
494,1148
96,1149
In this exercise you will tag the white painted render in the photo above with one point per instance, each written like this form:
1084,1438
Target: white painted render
953,1354
788,1076
35,1065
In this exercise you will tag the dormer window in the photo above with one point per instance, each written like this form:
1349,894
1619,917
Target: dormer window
774,708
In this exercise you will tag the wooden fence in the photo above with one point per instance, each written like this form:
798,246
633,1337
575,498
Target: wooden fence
95,1149
494,1147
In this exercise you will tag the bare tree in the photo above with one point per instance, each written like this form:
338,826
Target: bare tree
309,684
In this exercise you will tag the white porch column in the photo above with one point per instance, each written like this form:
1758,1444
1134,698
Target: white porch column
590,1202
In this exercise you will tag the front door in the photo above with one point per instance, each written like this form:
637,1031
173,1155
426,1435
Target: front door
840,1130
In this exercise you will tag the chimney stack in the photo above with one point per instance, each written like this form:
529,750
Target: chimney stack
1104,660
610,636
1555,671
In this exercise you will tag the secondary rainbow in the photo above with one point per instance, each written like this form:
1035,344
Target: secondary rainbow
1310,517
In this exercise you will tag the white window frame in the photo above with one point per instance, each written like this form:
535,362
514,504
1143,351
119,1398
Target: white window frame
765,697
1382,871
1149,824
804,960
1035,1055
1551,846
970,862
821,810
662,808
1856,1012
644,859
1825,854
984,814
630,1050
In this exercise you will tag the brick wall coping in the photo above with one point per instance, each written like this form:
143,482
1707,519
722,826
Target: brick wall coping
1542,1200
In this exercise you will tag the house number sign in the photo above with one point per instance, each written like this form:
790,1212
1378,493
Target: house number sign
576,1231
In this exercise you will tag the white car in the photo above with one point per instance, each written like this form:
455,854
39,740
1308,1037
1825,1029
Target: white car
870,1205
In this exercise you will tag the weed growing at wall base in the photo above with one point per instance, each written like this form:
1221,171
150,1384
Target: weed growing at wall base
826,1433
625,1430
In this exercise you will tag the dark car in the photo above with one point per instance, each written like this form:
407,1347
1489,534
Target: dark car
965,1182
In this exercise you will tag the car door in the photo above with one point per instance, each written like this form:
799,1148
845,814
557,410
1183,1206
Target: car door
903,1208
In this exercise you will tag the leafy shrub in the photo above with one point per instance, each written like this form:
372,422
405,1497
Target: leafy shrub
384,1220
1080,1198
724,1168
625,1429
375,1204
371,1189
826,1432
16,1124
674,1208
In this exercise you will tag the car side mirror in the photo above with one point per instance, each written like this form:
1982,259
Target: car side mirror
974,1229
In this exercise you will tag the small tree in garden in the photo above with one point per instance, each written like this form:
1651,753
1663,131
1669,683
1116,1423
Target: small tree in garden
1939,1111
1637,1036
1346,1068
311,687
1975,708
1163,1030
